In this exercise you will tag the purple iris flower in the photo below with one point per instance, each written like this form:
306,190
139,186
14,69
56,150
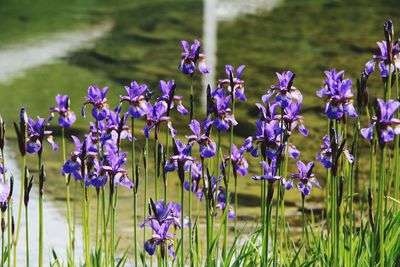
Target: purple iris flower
36,134
115,128
66,116
5,188
84,151
306,176
325,156
206,144
292,119
269,172
182,157
386,126
239,163
155,117
164,213
223,113
97,98
268,113
114,167
338,96
383,60
162,238
235,82
136,99
286,93
221,199
190,56
195,184
168,95
269,139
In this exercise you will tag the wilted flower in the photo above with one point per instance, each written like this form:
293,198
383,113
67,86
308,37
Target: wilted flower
36,134
306,176
206,144
136,99
190,56
286,93
66,117
386,126
97,98
338,96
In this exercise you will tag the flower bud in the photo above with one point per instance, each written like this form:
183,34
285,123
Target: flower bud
2,133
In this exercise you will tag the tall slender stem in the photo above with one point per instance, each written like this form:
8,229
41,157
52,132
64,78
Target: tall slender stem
381,221
68,215
27,235
40,216
21,193
228,195
182,227
146,173
134,192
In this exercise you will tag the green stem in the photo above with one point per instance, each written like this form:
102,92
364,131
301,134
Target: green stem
134,192
68,215
146,173
40,218
182,227
218,154
27,235
228,195
21,193
278,199
156,168
381,221
303,228
97,219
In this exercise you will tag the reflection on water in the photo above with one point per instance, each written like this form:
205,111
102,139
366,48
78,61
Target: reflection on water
55,226
224,10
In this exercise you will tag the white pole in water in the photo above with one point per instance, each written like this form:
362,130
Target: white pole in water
209,45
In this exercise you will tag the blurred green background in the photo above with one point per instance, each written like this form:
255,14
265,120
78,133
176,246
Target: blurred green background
143,44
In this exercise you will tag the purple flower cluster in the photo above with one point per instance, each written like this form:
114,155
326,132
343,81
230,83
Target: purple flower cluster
66,116
190,56
162,216
386,126
36,134
285,93
274,130
338,96
389,57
